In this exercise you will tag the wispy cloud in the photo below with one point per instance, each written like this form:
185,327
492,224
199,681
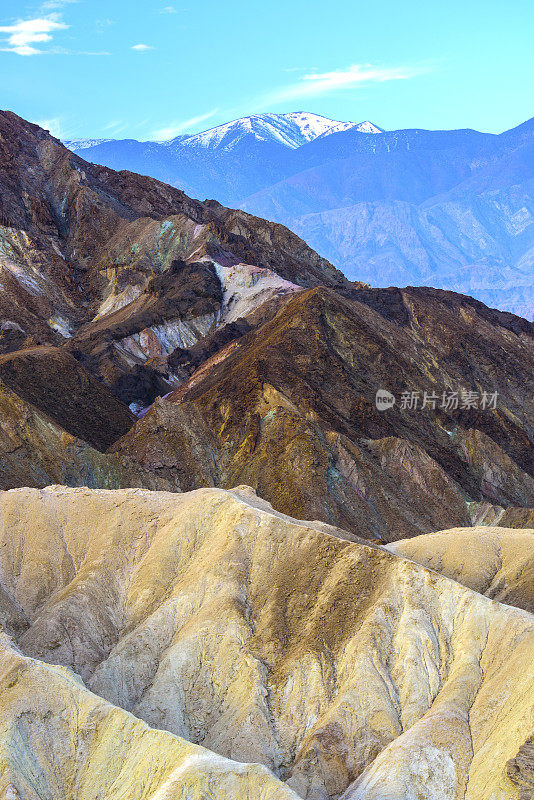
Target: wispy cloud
52,125
169,10
102,24
24,34
142,48
116,126
162,134
315,84
55,5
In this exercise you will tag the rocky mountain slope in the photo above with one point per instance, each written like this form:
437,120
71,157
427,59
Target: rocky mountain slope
451,209
119,290
289,408
349,672
78,242
36,451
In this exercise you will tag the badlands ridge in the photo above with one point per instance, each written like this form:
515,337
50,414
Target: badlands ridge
229,651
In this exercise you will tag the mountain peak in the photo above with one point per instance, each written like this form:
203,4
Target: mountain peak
84,144
360,127
292,130
368,127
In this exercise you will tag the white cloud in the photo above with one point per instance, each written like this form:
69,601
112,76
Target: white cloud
319,83
142,48
117,123
169,10
52,125
26,33
173,130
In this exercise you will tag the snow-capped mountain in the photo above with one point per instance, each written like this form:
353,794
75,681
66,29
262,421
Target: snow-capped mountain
84,144
230,161
366,127
359,127
291,130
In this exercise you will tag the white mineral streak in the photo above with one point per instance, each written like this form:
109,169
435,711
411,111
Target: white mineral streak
245,287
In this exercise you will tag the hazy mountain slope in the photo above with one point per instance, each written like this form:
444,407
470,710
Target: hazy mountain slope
227,162
243,157
410,165
451,209
459,218
457,215
266,639
478,238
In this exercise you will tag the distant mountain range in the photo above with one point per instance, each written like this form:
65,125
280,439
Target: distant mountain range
292,130
451,209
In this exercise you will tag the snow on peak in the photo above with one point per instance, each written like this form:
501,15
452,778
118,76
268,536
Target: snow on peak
361,127
83,144
291,130
311,126
368,127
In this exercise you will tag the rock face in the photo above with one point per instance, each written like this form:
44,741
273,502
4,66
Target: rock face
36,451
512,517
521,769
341,667
52,380
289,408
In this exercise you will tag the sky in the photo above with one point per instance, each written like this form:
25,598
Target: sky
148,70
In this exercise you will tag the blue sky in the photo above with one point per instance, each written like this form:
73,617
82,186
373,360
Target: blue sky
150,69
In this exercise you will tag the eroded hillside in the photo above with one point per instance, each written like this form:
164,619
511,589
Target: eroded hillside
343,668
